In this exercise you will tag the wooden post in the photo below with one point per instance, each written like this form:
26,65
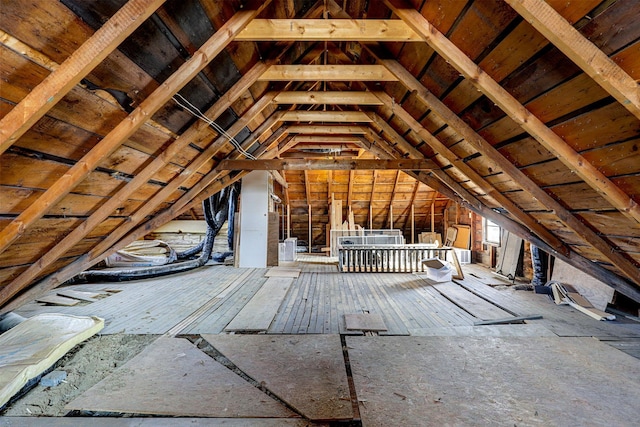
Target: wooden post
413,224
288,221
310,231
391,217
433,211
370,217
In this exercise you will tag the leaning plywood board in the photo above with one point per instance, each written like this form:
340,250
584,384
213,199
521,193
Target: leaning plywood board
597,292
173,377
488,381
31,347
305,371
259,312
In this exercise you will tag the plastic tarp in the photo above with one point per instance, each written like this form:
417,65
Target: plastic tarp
33,346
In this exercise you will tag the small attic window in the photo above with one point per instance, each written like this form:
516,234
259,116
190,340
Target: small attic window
490,232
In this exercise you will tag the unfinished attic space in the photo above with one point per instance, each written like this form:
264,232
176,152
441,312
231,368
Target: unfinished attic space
319,213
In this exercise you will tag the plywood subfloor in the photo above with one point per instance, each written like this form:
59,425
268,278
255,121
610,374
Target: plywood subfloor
172,377
433,381
306,371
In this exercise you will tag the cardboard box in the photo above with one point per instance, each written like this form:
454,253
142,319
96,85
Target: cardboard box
438,270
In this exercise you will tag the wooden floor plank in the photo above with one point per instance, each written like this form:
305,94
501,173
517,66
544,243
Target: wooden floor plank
259,312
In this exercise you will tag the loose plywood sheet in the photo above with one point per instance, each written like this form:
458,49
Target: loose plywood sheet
259,312
81,295
364,322
57,300
173,377
306,371
283,272
516,330
599,294
493,381
471,303
31,347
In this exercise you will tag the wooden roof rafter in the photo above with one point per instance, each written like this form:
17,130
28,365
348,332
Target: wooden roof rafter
582,52
126,128
486,149
444,184
13,288
40,100
516,111
459,164
196,133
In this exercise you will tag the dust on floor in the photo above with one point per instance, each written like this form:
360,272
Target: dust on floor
87,364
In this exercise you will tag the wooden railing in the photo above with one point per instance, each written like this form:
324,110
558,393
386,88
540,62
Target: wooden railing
391,258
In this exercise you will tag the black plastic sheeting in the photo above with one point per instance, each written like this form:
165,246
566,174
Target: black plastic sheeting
217,209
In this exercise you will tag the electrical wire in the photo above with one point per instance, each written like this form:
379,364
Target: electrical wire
195,111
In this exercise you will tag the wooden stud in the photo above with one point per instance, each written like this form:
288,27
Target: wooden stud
516,111
92,52
307,187
310,229
126,128
581,51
